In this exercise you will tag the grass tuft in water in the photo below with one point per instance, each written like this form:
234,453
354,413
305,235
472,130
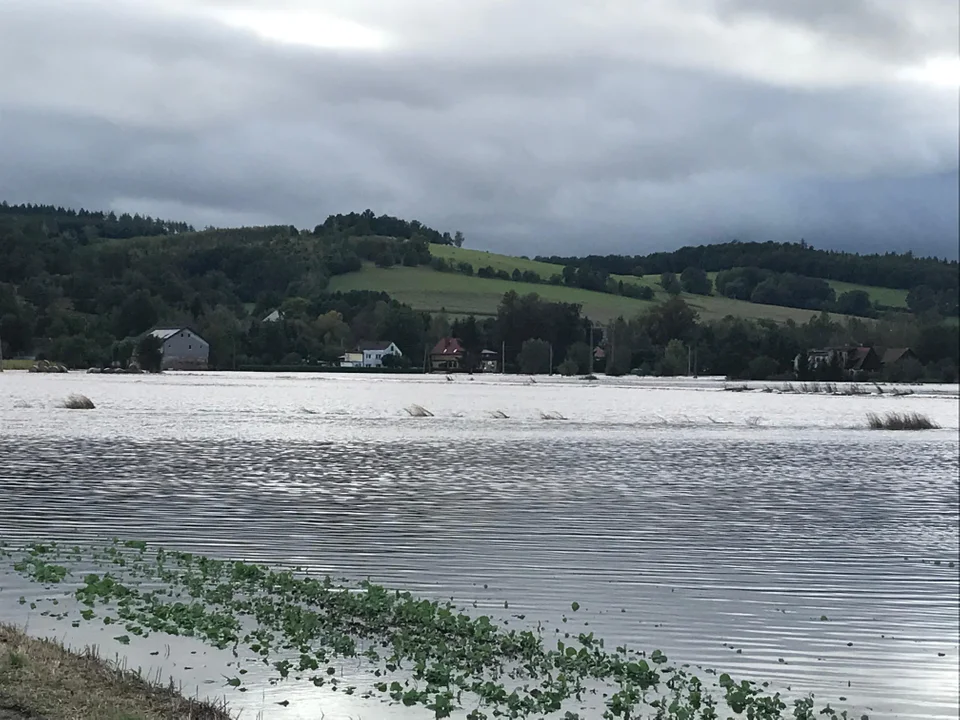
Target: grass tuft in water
78,402
900,421
418,411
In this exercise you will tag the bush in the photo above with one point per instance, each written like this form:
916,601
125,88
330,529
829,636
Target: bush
670,283
568,367
150,353
694,280
534,357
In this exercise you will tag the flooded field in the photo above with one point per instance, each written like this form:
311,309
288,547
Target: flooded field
768,535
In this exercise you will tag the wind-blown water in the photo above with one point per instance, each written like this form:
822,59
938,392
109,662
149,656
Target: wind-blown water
679,516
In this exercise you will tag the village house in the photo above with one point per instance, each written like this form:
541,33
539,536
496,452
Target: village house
489,361
182,349
369,354
448,355
275,316
852,361
894,356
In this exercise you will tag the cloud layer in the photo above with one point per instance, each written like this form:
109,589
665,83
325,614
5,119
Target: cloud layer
533,126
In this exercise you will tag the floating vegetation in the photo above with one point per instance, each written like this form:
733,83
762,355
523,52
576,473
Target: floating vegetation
735,388
753,421
828,388
499,415
420,652
900,421
418,411
551,416
78,402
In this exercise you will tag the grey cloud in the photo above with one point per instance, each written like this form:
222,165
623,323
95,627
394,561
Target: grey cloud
531,151
911,30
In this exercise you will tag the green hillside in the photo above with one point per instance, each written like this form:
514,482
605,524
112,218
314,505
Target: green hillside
427,289
889,297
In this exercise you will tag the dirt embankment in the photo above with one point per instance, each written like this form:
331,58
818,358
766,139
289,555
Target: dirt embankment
42,680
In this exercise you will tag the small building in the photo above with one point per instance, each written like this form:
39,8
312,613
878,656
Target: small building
852,361
894,356
182,349
448,355
489,361
275,316
369,354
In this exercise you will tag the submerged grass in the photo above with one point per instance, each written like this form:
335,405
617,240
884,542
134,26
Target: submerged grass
41,678
78,402
420,652
900,421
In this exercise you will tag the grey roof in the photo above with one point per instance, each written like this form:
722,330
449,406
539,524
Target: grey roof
373,345
165,333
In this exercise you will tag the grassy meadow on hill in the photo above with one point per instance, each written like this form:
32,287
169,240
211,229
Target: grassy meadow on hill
890,297
426,289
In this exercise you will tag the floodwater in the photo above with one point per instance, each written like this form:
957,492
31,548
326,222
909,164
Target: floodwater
680,516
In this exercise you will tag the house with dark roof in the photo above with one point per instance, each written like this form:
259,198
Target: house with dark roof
369,354
893,356
489,361
852,361
448,355
182,349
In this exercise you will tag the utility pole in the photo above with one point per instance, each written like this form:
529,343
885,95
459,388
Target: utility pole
551,358
1,353
592,348
689,359
503,357
613,347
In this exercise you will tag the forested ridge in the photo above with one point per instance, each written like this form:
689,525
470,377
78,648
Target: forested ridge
83,287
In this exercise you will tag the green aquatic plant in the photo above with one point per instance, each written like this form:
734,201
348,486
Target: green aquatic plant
442,657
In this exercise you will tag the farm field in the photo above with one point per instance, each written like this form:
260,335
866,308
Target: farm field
891,297
426,289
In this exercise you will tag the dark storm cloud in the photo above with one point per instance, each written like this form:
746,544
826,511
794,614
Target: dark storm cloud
585,146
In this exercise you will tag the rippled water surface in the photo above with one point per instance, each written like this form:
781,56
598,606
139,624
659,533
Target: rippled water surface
679,516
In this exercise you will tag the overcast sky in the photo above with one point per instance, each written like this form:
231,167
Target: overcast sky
535,126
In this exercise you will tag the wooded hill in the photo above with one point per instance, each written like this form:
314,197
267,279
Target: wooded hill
81,287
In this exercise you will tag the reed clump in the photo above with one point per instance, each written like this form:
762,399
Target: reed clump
900,421
76,401
418,411
551,416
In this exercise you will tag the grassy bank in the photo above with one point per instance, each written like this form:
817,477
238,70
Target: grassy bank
42,679
17,364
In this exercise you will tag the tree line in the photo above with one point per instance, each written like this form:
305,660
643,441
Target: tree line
73,291
933,283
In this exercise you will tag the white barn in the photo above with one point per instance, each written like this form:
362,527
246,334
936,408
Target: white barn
182,349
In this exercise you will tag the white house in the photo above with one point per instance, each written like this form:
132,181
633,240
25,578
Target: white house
182,349
275,316
369,354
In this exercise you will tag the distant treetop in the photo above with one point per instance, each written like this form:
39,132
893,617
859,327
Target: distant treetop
367,223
